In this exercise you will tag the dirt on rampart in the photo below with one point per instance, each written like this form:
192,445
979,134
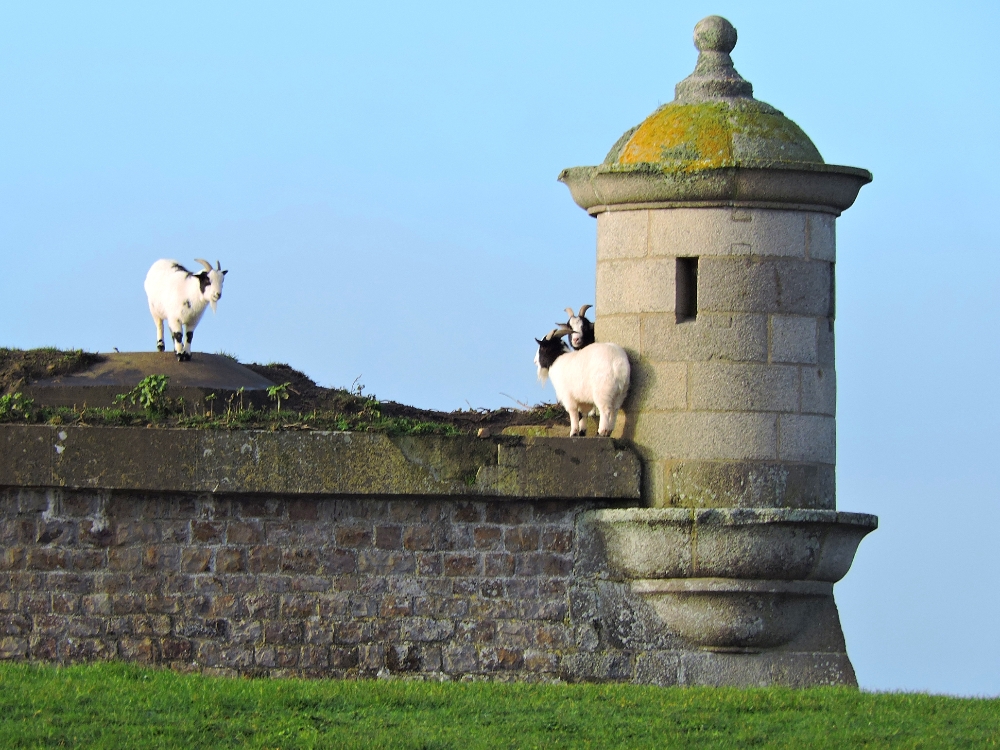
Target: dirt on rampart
21,367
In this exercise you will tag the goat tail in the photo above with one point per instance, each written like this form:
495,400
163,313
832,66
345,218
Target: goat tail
621,373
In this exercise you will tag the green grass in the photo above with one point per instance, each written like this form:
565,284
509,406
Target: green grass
356,413
364,420
117,705
298,404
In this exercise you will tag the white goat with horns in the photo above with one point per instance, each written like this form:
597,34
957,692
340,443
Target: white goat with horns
179,297
583,329
595,376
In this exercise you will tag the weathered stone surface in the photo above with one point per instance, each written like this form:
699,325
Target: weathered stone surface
658,386
622,234
726,231
822,237
709,435
635,285
808,437
358,586
793,339
744,387
312,606
623,330
310,463
119,372
735,337
819,187
728,613
819,391
759,544
752,284
748,484
770,668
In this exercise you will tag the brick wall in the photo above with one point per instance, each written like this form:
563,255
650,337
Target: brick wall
258,585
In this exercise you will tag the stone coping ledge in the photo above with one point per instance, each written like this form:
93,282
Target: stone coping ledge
829,187
317,463
731,585
732,516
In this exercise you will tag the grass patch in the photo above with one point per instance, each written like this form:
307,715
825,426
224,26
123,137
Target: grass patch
297,403
117,705
365,416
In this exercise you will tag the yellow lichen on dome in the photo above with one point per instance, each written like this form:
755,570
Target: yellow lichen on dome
711,135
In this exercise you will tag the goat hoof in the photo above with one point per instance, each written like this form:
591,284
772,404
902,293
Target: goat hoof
183,357
160,347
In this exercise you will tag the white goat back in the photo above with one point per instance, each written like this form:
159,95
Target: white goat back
597,375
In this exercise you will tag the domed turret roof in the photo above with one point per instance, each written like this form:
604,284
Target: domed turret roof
714,121
714,143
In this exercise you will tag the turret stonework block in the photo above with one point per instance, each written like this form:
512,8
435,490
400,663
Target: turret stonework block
635,285
716,249
729,231
725,337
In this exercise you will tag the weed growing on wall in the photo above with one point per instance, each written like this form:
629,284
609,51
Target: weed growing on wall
277,393
151,395
15,407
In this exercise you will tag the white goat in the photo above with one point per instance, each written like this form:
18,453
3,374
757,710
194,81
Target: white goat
596,376
179,297
583,329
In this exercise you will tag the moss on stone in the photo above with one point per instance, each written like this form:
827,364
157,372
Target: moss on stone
681,137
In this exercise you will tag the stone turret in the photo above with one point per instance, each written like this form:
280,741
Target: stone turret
715,270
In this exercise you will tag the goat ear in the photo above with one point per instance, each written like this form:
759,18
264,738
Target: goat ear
225,272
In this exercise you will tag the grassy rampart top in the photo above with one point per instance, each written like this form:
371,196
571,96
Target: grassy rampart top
295,403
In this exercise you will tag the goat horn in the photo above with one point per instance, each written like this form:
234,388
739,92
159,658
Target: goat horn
558,333
569,311
583,310
218,266
208,266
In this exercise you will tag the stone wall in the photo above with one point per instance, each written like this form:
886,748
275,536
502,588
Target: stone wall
340,555
346,587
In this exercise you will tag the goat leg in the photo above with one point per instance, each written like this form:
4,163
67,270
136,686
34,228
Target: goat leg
178,344
574,418
159,334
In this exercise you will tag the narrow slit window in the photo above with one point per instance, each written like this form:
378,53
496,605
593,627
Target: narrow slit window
686,282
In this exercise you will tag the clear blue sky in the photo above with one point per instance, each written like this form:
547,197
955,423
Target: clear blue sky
380,181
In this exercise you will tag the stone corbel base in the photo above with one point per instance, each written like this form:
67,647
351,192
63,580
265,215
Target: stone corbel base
729,596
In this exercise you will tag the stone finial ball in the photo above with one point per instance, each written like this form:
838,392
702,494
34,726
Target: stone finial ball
714,33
